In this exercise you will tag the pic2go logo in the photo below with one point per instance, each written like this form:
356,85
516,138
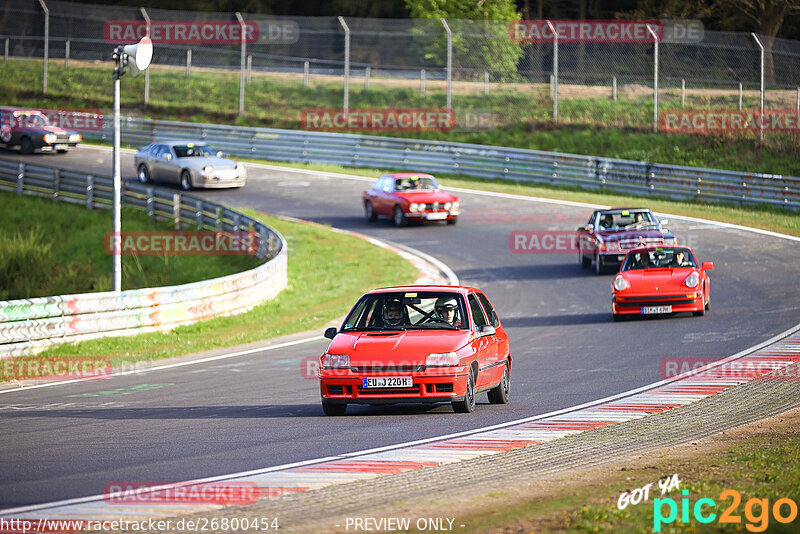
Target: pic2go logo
756,511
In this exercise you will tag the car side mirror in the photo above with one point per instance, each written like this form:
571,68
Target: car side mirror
486,330
331,332
664,222
166,156
586,227
707,266
220,154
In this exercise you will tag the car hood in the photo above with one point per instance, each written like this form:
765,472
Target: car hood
427,197
409,347
199,163
658,280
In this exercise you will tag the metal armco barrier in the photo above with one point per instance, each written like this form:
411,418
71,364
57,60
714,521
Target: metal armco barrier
30,325
636,177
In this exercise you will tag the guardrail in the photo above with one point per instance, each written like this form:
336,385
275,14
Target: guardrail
637,177
30,325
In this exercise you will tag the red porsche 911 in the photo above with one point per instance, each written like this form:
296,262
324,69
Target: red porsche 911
416,344
661,280
410,197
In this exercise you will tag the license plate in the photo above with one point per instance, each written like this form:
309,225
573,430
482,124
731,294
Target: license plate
62,147
647,310
388,382
438,216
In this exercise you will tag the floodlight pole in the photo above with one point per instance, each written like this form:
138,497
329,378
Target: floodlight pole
46,42
146,72
449,64
116,236
242,60
555,71
346,28
761,91
655,77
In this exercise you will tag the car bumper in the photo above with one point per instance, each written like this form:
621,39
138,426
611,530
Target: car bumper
50,147
430,386
432,215
633,304
219,180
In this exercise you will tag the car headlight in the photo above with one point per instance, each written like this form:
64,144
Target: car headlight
612,245
621,283
74,138
670,240
448,205
413,206
208,169
240,167
335,361
441,359
692,280
456,205
49,138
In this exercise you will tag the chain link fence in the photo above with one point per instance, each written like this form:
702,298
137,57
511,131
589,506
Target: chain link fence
486,77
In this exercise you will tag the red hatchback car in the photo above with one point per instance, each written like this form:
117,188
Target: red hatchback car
410,197
416,344
660,280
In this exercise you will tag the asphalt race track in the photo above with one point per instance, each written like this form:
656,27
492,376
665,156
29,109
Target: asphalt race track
258,411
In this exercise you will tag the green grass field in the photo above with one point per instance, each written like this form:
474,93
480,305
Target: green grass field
57,249
596,126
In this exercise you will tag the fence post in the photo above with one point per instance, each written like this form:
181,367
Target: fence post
89,192
346,65
614,88
486,82
188,62
6,54
797,103
241,63
56,183
422,82
249,68
46,42
151,212
66,55
683,92
655,78
740,95
176,210
198,214
449,64
305,73
761,105
367,71
20,178
555,71
219,219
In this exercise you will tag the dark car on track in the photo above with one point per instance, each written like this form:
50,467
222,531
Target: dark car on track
31,130
611,233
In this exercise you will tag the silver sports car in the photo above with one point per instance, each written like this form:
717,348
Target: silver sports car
188,164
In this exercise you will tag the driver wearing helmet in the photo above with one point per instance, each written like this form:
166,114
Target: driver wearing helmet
392,312
447,310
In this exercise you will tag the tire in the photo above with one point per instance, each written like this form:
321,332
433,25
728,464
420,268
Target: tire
598,267
333,409
618,317
499,394
144,174
585,263
399,217
186,180
452,221
702,310
26,146
369,212
468,404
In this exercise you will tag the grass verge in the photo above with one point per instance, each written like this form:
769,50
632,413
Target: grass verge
57,249
762,464
327,273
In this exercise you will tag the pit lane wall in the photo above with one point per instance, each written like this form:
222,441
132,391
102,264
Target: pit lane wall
481,161
28,326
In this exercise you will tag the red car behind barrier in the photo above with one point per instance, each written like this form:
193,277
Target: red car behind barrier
408,197
418,344
660,280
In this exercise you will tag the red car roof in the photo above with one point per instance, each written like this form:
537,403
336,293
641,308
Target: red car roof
451,289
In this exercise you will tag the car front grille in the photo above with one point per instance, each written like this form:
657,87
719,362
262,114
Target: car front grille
625,244
653,300
388,369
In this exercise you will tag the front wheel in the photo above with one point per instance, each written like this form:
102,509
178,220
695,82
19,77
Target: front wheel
26,146
369,212
585,262
186,180
702,310
333,409
499,394
399,217
468,404
454,220
598,267
143,174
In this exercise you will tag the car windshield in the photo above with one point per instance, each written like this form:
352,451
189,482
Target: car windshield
425,310
659,258
30,120
620,219
414,183
193,151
